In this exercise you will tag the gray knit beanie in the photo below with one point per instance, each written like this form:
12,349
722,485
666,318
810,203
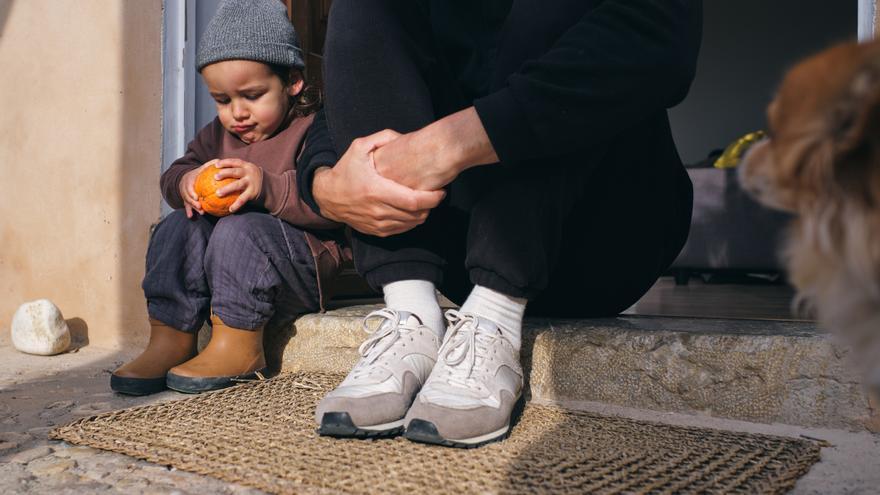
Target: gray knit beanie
250,30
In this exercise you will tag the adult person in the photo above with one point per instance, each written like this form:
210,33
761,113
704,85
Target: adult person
505,152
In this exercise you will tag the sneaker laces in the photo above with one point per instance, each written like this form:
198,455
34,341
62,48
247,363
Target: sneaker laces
384,335
464,342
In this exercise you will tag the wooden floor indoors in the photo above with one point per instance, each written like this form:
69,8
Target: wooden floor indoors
698,299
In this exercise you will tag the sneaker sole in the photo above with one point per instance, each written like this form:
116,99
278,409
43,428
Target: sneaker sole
340,425
421,431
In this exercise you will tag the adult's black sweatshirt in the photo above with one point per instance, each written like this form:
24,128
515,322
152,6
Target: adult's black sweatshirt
548,78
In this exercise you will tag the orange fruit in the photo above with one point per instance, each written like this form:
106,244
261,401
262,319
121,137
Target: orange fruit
206,190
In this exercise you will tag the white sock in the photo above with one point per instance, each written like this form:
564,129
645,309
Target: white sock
419,298
503,310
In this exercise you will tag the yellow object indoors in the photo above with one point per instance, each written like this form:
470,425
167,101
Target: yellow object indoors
734,152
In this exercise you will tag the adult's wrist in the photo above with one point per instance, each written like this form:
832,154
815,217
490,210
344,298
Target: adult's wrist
462,140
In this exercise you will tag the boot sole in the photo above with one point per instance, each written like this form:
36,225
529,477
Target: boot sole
340,425
137,386
199,384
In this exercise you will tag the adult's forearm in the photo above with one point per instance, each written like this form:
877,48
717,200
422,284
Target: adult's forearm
459,141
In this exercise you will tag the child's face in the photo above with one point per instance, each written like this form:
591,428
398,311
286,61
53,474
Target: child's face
252,102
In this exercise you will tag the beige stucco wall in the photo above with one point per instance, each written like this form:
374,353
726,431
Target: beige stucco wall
80,138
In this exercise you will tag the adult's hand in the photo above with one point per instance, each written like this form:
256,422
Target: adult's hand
352,192
415,162
432,157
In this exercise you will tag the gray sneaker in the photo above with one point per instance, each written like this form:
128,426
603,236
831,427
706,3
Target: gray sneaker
471,394
373,399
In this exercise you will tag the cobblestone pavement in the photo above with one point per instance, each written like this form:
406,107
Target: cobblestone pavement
38,393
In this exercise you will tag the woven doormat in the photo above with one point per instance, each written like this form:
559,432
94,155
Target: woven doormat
262,434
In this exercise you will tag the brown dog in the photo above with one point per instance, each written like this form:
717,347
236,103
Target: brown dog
822,163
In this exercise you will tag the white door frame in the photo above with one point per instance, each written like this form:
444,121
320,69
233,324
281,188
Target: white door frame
867,19
178,80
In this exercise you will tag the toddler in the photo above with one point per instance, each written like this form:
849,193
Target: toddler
264,264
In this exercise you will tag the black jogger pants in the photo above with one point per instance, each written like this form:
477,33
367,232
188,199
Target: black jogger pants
579,234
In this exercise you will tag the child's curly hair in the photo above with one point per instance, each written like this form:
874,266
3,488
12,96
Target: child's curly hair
308,101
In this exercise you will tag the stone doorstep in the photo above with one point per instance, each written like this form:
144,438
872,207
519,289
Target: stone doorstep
758,371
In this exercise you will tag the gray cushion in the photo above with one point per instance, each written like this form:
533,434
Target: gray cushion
729,230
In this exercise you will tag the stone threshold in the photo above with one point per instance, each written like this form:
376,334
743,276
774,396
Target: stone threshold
785,372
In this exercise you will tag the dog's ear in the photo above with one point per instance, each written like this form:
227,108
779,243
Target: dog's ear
857,132
857,118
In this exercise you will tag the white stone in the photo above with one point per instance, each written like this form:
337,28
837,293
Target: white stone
39,328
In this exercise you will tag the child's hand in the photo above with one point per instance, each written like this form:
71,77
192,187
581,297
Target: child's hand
187,190
249,183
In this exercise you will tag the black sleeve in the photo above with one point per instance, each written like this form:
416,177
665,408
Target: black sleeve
622,62
318,151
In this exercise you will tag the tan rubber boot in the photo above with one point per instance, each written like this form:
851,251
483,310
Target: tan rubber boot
233,355
144,375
